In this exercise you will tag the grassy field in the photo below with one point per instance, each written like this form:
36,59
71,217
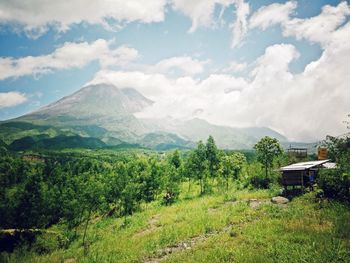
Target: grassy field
222,227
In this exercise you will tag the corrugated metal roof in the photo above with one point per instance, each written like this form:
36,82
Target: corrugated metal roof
329,165
303,165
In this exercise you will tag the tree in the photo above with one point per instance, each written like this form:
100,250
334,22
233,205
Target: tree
267,149
151,180
175,159
231,165
172,181
92,197
212,155
197,166
130,193
335,183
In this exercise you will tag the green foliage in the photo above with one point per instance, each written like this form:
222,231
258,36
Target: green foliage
256,176
215,231
212,156
231,166
175,159
339,151
73,188
172,181
198,167
335,184
57,142
267,149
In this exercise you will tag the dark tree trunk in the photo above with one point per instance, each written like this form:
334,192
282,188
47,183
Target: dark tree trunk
86,225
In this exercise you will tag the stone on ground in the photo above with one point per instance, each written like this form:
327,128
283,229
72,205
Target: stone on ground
279,200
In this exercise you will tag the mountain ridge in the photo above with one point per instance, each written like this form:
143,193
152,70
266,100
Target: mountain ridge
106,112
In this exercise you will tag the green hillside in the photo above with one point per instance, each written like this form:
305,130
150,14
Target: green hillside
139,205
217,228
55,143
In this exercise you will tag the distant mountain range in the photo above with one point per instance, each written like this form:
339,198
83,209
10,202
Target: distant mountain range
102,115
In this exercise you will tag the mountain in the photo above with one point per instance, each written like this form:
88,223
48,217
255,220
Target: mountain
226,137
165,141
97,100
55,143
102,106
106,113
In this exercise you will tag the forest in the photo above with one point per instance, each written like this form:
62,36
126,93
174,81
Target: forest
71,189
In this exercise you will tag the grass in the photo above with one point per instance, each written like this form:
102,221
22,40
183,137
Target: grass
303,231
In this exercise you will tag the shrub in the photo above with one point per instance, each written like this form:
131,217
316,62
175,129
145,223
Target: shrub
261,182
45,244
335,184
257,178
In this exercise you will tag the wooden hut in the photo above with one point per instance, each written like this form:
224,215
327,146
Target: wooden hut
303,174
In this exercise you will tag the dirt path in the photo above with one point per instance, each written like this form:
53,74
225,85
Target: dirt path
152,225
188,244
182,246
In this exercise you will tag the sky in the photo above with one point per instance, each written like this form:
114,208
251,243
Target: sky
279,64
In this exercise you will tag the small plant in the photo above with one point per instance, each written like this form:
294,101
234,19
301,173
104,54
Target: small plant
169,198
65,239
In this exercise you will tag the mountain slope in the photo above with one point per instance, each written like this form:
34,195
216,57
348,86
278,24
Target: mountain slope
55,143
106,112
98,100
102,105
226,137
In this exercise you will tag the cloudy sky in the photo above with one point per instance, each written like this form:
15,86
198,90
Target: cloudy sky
281,64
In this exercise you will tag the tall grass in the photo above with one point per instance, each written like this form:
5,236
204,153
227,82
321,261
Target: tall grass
304,231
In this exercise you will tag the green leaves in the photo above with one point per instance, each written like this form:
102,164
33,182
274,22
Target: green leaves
267,149
212,155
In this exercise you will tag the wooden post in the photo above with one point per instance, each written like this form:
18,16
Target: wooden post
302,182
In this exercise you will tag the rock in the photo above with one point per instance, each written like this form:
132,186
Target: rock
279,200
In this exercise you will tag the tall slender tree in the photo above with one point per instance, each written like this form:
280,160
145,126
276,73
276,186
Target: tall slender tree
267,149
212,155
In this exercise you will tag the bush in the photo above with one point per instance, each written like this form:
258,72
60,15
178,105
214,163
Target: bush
170,197
335,184
256,177
45,244
260,182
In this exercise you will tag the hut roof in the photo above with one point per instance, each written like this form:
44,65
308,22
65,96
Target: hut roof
303,165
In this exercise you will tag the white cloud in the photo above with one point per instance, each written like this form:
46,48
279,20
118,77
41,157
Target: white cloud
12,98
235,67
274,63
303,106
201,12
185,64
178,97
202,15
239,27
69,55
317,29
35,16
272,14
151,85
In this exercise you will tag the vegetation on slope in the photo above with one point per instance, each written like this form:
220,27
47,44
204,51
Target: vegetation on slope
176,207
